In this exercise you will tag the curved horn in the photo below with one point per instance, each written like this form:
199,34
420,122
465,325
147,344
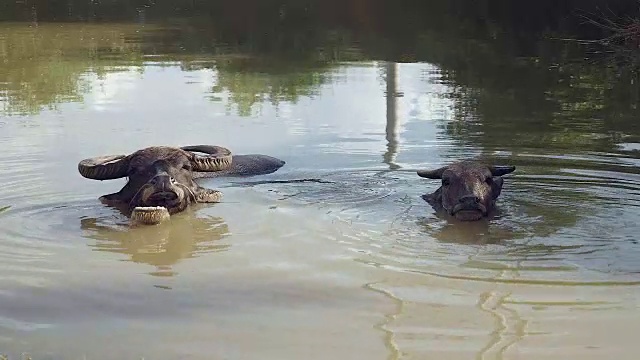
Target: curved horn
104,167
218,158
501,170
432,174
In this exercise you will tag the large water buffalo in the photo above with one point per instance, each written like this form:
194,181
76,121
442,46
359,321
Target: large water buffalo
469,189
163,176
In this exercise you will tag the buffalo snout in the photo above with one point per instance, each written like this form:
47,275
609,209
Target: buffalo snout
163,190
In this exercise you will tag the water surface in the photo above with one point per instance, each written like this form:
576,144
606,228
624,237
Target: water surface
352,264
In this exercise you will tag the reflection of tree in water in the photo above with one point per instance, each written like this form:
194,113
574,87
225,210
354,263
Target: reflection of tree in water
491,51
45,66
512,79
254,81
281,56
162,245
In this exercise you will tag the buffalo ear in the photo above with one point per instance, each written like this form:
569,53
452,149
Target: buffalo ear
501,170
496,186
432,174
434,199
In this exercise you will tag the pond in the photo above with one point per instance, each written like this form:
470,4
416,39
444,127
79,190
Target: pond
349,262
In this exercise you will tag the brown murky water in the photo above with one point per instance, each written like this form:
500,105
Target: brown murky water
356,266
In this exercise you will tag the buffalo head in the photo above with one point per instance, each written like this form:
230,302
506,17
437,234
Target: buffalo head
469,189
159,176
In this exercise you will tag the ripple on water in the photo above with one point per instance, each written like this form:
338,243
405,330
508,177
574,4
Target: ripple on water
569,222
36,238
23,175
346,189
28,245
162,245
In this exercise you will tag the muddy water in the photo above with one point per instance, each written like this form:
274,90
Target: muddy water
348,263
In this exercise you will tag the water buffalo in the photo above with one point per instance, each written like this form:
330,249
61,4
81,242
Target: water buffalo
163,176
469,189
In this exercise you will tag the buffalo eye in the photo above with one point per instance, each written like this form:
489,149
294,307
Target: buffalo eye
187,166
445,182
489,180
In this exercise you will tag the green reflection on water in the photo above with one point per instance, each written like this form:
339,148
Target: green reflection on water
501,71
44,66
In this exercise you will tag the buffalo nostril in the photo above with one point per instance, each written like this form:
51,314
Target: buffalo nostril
469,199
164,196
170,196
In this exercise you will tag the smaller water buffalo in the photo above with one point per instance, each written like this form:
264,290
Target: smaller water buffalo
469,189
163,176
